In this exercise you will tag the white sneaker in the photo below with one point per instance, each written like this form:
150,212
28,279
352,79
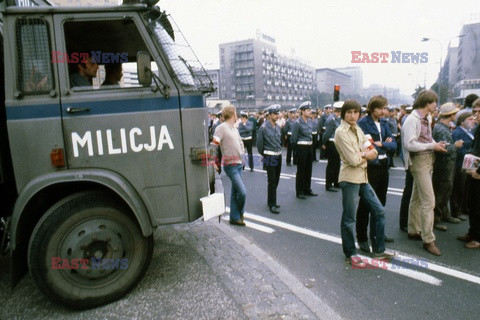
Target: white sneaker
387,254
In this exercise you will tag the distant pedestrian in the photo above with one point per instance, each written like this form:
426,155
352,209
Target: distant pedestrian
314,134
269,146
467,107
228,138
287,130
458,200
245,128
472,237
351,145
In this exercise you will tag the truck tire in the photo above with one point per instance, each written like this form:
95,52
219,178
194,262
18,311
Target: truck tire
81,226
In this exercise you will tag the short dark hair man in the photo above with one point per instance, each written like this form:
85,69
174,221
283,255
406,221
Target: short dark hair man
377,169
84,73
355,151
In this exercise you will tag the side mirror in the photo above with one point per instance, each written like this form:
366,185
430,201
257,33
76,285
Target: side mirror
143,68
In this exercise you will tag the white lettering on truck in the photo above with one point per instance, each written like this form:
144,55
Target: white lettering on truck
80,142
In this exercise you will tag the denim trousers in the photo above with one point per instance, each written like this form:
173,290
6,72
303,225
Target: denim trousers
351,194
238,192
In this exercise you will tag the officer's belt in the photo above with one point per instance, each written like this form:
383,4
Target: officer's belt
331,139
382,156
247,138
272,153
315,132
289,133
305,143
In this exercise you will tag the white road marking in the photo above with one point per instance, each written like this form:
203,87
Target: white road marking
251,224
406,272
417,275
321,181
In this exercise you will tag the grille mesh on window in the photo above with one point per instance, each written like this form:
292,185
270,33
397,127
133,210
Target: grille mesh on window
33,47
185,64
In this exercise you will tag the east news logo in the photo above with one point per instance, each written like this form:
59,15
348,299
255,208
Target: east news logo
93,263
396,57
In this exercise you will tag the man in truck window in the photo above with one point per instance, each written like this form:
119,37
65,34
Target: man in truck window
113,75
84,73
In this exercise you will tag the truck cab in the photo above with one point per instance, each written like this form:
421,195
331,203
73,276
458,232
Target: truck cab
89,168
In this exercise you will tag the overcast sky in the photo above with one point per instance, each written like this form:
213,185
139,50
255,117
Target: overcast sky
324,33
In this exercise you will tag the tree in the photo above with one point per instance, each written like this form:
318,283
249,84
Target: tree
321,98
442,92
417,92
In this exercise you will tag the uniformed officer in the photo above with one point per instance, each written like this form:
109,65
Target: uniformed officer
218,160
302,138
287,130
269,145
314,134
333,165
245,128
327,111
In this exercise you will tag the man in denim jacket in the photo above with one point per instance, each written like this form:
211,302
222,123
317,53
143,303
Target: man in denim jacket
377,169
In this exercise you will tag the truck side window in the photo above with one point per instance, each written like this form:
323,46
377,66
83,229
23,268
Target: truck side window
33,45
102,54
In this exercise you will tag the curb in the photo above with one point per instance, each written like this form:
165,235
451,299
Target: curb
314,303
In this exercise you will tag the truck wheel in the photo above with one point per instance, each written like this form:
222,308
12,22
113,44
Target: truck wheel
87,251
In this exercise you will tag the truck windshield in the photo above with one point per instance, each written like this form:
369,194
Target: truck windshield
185,65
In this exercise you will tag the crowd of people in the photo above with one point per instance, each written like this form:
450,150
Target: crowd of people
359,143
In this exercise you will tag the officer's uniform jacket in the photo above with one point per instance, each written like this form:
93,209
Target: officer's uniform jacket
332,124
302,131
269,138
245,130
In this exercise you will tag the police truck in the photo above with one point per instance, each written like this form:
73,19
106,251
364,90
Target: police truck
88,172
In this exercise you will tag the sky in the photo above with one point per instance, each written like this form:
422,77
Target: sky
324,33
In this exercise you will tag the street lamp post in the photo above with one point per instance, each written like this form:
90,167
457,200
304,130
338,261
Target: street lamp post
441,49
441,53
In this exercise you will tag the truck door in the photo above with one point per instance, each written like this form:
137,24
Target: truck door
31,96
110,121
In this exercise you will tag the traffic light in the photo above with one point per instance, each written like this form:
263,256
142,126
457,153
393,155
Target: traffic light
336,92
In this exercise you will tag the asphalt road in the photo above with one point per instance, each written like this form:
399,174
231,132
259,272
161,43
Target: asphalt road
305,238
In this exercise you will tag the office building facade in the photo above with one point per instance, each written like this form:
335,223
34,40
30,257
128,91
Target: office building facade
253,75
327,78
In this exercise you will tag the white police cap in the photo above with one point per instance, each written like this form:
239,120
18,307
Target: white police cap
274,108
338,105
305,105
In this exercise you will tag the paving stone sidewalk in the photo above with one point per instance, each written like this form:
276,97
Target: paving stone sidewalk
200,270
261,286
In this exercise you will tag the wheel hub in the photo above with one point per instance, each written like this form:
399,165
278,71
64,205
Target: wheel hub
99,239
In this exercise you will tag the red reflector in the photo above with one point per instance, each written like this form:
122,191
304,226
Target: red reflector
57,158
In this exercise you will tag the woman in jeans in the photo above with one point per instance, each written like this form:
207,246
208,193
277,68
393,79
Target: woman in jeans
228,138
